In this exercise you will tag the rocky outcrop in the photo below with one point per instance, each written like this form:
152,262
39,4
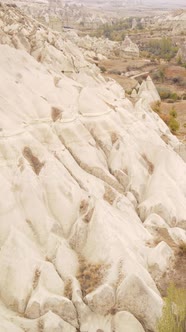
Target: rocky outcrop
99,48
134,296
148,92
174,21
57,14
126,320
129,49
85,179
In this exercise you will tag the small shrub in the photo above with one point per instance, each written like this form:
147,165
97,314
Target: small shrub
103,69
183,248
167,94
173,125
164,93
173,112
174,96
165,118
176,79
158,75
179,60
156,107
162,48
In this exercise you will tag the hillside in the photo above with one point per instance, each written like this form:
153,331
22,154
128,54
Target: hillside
93,191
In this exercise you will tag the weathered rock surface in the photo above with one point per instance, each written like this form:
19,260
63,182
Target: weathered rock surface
125,320
134,296
81,169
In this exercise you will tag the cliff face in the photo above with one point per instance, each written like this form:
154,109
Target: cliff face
87,182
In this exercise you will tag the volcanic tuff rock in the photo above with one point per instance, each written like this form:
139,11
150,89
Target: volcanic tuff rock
174,21
128,48
102,47
58,13
81,169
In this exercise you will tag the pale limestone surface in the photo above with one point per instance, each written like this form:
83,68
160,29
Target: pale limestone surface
81,169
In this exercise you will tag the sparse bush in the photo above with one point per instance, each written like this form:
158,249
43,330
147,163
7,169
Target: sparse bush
169,119
174,311
179,60
173,125
183,83
177,79
115,72
162,48
165,118
116,30
173,112
156,107
183,248
174,96
164,93
159,75
103,69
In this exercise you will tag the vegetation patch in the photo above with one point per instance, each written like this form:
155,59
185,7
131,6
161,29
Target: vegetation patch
162,48
169,119
117,30
173,125
166,93
174,311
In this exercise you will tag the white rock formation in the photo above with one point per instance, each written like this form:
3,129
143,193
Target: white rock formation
100,48
174,21
125,320
134,296
129,49
148,91
81,168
